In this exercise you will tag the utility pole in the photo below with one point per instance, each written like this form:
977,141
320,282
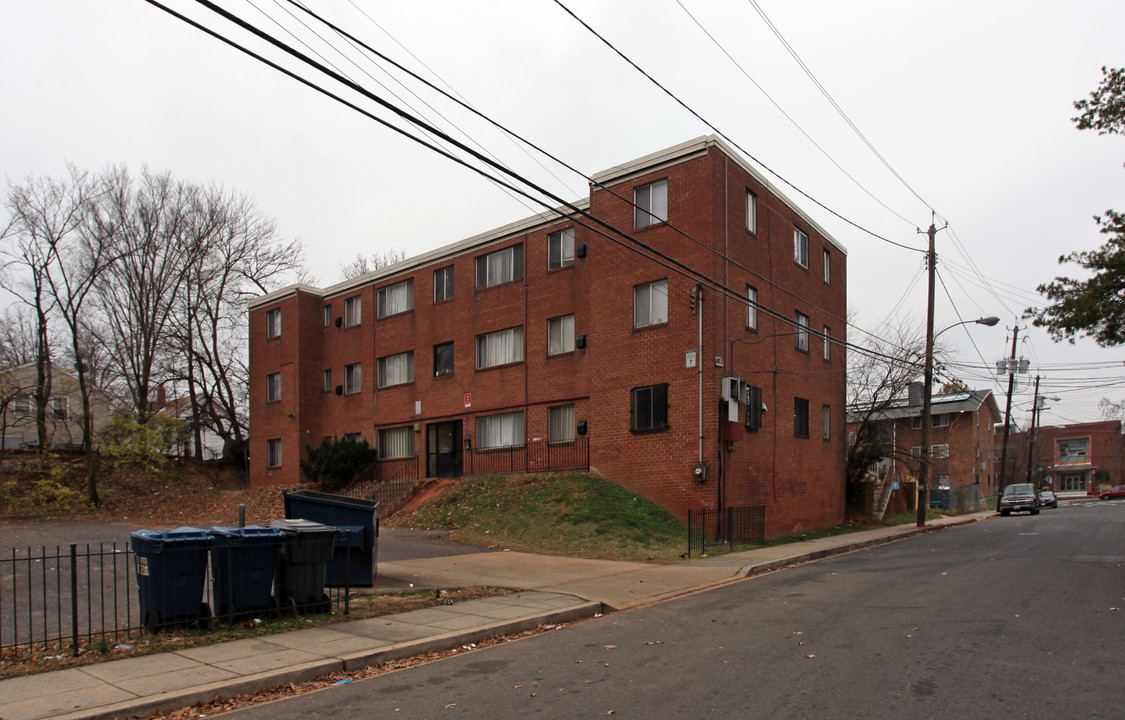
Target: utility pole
1031,430
927,381
1011,368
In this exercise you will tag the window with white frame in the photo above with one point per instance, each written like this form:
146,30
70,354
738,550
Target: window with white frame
826,421
353,311
751,307
827,268
1073,450
916,451
273,323
60,408
395,299
396,369
396,443
560,249
500,348
802,334
751,212
328,380
941,482
650,304
937,452
273,387
939,420
800,247
560,335
21,406
494,431
827,336
651,204
328,315
800,417
502,266
560,424
273,453
443,284
353,378
649,408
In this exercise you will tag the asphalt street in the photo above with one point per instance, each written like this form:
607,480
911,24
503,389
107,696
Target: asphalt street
1015,617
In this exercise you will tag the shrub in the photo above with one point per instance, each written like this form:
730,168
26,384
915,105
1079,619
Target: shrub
128,442
337,461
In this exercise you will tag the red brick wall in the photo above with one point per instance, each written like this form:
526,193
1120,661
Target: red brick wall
799,480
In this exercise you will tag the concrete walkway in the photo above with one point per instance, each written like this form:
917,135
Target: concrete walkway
553,590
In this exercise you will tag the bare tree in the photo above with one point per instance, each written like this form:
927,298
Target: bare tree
362,265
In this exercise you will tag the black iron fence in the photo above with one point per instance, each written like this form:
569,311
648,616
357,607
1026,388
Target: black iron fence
72,597
534,456
733,528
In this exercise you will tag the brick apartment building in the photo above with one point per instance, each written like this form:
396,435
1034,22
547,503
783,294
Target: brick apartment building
547,331
1069,458
961,439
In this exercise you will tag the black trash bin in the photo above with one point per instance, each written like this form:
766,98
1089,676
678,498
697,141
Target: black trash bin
171,573
357,544
304,563
243,562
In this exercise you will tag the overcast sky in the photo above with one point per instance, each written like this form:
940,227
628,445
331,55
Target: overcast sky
969,103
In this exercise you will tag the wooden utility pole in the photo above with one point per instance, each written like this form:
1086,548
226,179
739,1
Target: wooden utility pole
927,381
1011,368
1031,431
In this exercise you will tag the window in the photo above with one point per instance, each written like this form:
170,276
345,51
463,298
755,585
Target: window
500,430
1073,450
273,387
443,359
826,421
560,249
560,424
800,248
60,408
353,378
800,417
827,268
916,423
500,348
396,443
916,451
753,407
939,420
443,284
751,308
353,308
751,212
827,343
273,453
396,369
650,304
941,482
651,204
273,323
802,334
353,437
328,380
560,335
937,452
500,267
650,407
395,299
327,315
21,406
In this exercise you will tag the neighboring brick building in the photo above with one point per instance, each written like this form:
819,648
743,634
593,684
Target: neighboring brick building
1071,458
556,329
961,439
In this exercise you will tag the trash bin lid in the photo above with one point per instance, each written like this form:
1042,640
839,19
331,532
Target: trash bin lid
153,540
299,526
331,499
250,533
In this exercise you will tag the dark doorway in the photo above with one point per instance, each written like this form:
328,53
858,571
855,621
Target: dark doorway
443,449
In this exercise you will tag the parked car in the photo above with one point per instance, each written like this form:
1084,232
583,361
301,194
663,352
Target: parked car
1020,497
1113,494
1048,499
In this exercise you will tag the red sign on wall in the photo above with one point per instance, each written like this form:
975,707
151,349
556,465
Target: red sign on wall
468,399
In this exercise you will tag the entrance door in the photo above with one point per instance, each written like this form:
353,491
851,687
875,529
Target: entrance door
443,449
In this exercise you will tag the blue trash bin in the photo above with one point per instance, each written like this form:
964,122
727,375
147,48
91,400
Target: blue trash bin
243,562
304,562
171,572
353,559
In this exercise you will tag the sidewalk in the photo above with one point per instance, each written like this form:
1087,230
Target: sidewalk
554,590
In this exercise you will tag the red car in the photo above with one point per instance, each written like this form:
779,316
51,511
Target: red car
1116,493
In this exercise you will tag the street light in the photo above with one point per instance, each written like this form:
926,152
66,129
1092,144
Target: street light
927,393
